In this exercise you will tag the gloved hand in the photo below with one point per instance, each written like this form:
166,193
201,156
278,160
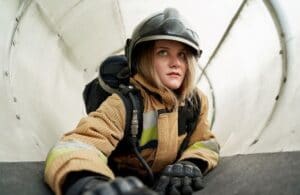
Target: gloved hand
94,185
183,177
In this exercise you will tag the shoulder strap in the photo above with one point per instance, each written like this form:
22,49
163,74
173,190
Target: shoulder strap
134,123
134,107
190,115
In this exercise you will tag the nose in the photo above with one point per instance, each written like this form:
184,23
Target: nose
175,61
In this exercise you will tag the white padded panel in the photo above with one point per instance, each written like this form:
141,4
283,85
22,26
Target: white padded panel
89,30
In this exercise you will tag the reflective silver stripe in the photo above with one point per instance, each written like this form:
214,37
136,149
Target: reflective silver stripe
211,144
149,120
72,145
149,127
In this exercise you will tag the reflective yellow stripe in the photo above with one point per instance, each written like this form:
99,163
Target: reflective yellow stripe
54,153
148,135
211,144
149,127
65,147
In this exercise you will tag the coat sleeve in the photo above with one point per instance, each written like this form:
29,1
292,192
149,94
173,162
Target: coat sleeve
203,144
89,145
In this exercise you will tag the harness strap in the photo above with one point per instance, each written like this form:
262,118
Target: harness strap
188,117
134,106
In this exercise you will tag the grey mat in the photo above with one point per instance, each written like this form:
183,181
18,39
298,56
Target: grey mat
23,178
275,173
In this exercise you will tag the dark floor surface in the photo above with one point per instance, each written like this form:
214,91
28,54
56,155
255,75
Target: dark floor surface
268,173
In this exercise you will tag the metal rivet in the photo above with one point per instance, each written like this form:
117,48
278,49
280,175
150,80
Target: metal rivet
6,73
85,69
284,80
15,99
254,142
18,117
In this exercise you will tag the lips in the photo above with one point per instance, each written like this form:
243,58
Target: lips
173,74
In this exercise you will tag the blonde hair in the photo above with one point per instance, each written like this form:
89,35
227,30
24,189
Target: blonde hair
145,68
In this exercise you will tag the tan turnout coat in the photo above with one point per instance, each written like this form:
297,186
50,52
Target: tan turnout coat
90,144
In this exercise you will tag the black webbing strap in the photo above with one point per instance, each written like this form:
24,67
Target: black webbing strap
132,100
188,117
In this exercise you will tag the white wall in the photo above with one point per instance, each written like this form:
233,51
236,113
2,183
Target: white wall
54,48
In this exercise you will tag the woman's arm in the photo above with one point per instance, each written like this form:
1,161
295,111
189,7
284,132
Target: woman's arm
203,148
88,146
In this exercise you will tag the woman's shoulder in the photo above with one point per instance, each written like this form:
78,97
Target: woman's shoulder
112,102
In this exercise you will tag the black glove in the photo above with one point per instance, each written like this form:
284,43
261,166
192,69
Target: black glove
95,185
183,177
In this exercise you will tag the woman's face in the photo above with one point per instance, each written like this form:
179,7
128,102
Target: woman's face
170,62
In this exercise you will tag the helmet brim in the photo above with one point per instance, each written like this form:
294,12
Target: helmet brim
198,51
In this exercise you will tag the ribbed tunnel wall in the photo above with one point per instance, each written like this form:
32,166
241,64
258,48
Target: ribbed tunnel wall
50,49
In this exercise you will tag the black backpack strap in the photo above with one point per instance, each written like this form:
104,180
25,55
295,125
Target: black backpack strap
188,118
134,123
128,115
134,111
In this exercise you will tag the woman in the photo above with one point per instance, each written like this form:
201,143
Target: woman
162,56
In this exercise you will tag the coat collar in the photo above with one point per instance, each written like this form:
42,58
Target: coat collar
165,96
